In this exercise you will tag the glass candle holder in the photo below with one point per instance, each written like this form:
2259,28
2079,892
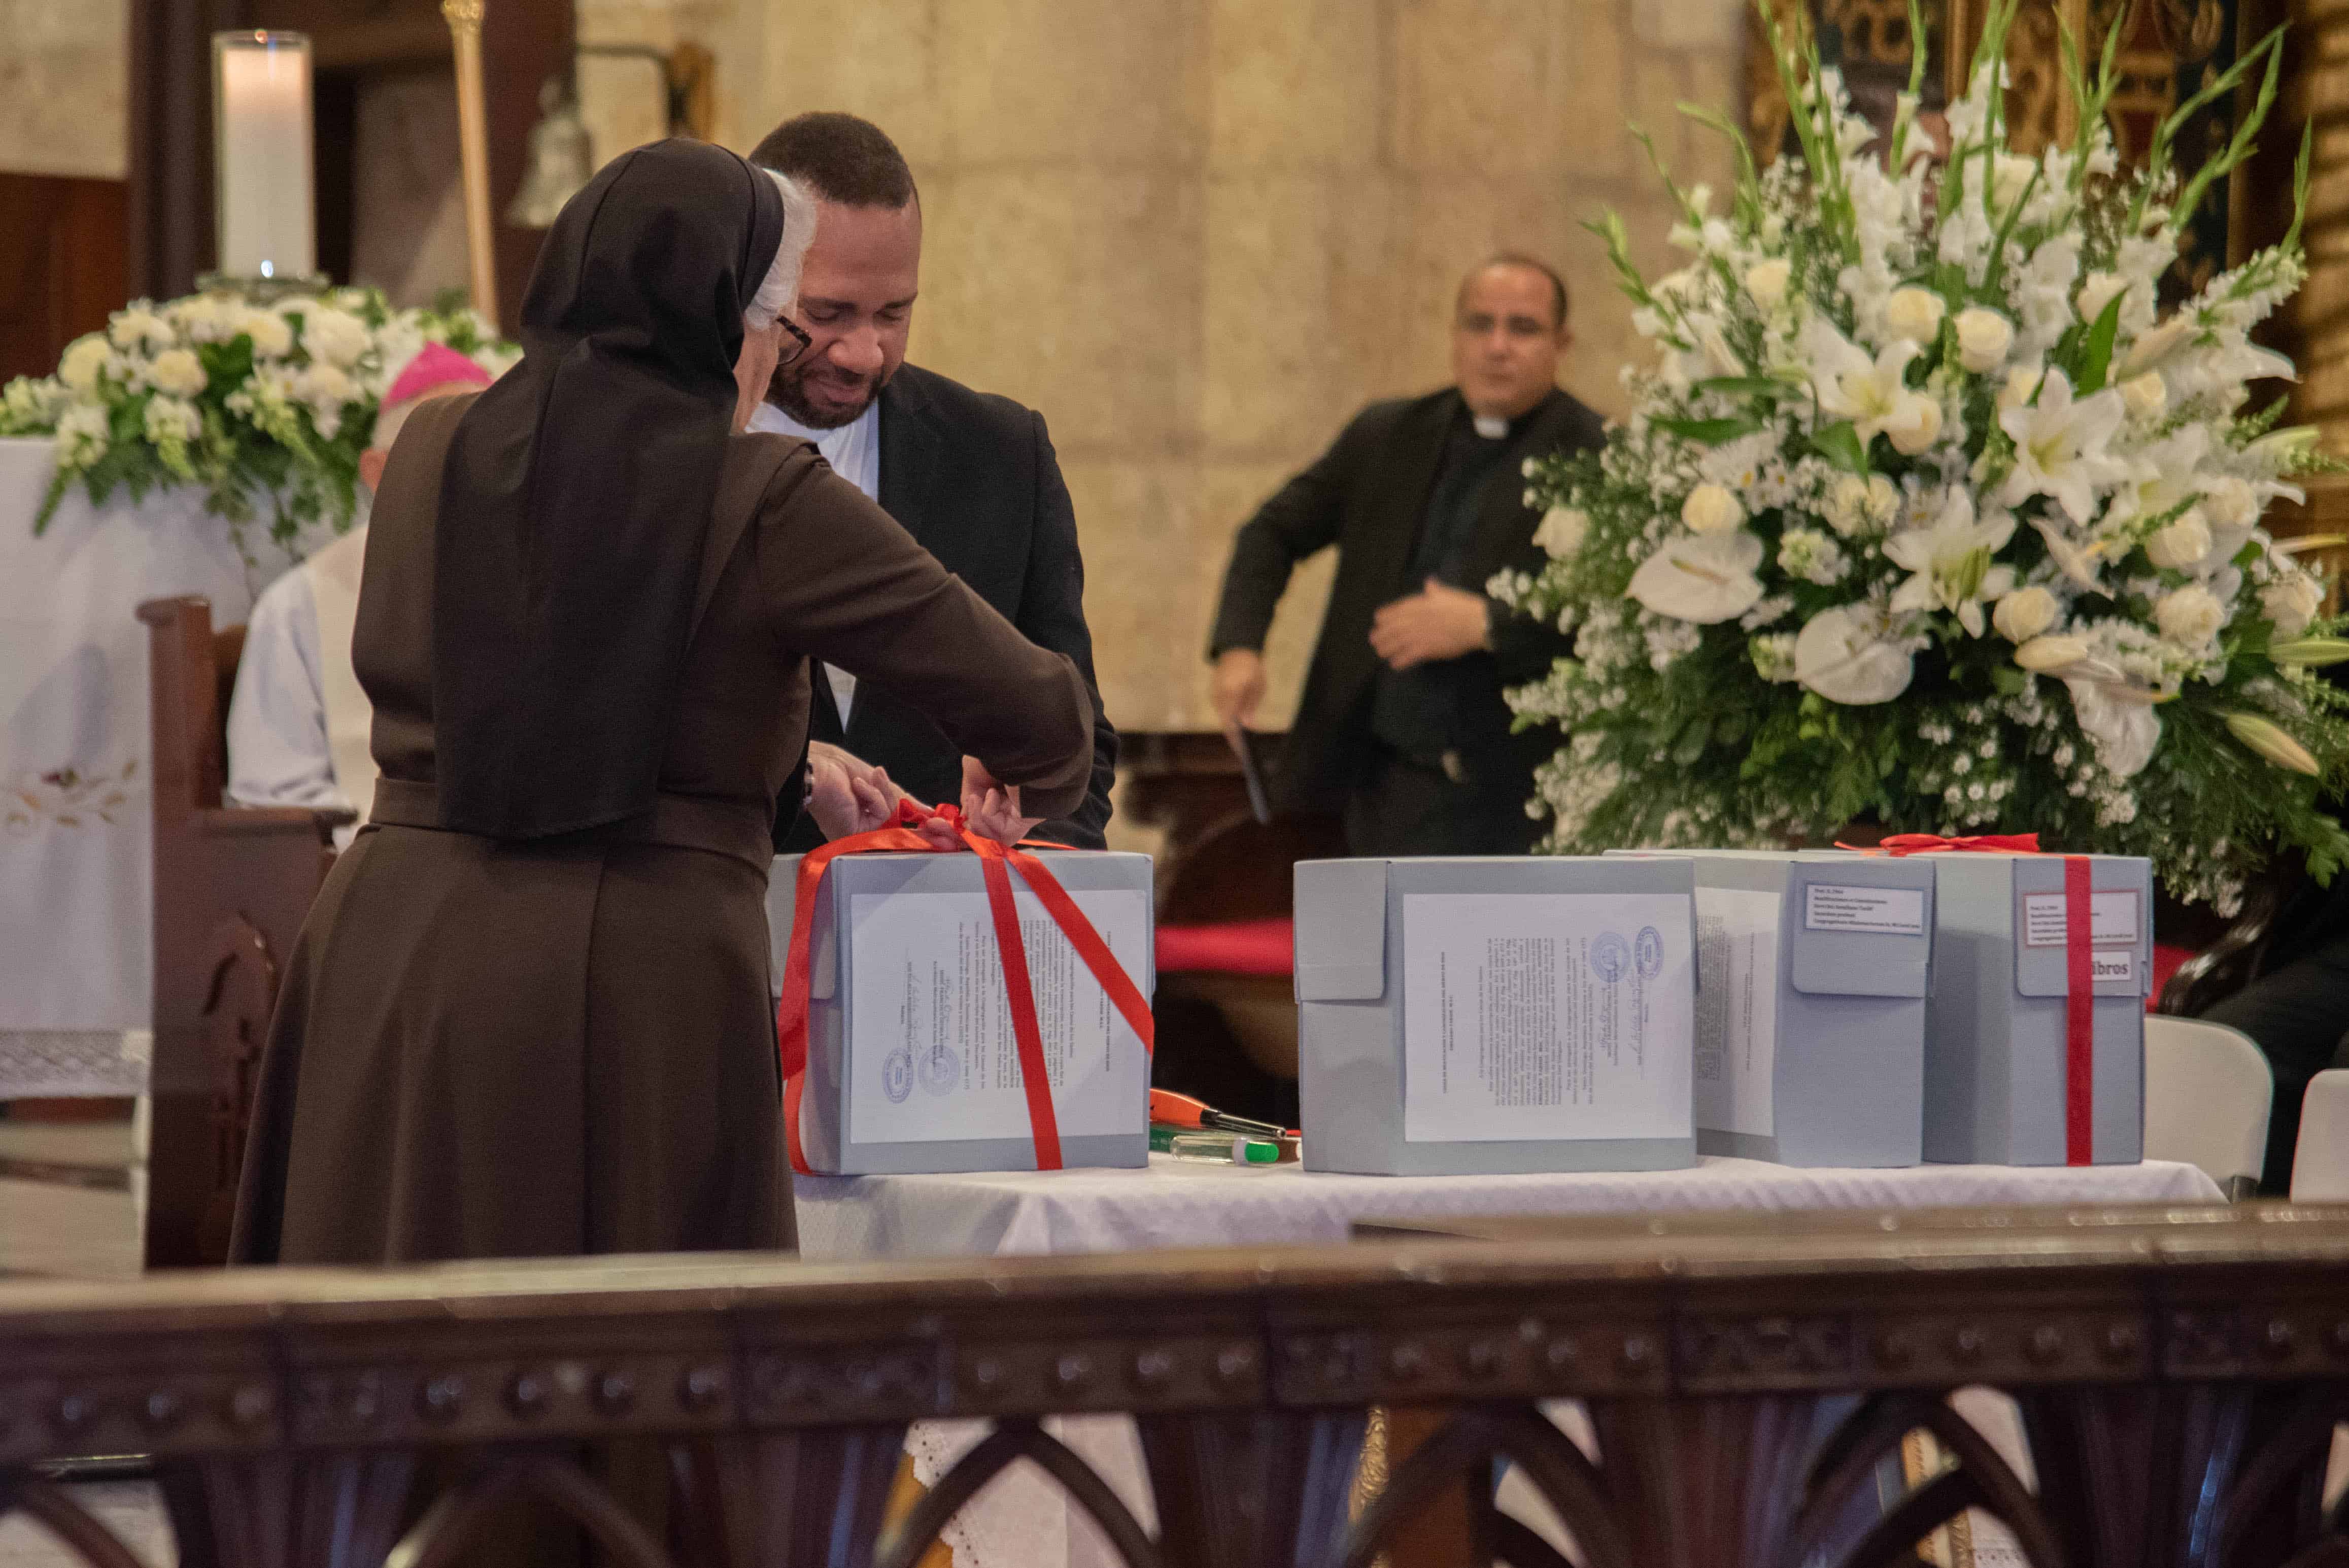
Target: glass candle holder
262,167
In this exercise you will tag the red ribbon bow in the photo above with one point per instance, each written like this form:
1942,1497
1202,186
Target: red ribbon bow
1901,844
996,863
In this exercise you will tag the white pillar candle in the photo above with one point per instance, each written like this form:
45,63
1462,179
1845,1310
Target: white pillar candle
261,107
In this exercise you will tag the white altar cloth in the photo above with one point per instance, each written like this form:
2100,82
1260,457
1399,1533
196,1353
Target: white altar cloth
76,860
1023,1522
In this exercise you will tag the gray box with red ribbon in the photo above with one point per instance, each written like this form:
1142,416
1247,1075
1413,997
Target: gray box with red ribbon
2034,1050
915,1058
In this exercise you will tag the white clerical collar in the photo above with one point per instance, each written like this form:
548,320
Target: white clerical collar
1492,427
768,420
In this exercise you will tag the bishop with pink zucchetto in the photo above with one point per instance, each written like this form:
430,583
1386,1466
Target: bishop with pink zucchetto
299,724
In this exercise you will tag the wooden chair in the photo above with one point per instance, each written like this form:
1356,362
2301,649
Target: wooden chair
232,888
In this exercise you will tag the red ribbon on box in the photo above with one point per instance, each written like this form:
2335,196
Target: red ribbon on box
996,865
2079,971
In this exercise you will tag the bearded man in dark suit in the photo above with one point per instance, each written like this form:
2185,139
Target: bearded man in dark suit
1401,726
969,475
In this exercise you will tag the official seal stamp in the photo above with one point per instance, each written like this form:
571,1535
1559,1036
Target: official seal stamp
1648,952
1610,956
897,1075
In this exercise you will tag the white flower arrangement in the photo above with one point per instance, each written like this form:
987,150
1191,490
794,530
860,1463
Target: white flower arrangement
257,403
1920,449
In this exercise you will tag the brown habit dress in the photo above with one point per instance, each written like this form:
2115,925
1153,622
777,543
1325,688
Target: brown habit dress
490,1048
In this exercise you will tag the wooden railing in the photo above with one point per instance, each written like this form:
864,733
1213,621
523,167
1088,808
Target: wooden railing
2180,1376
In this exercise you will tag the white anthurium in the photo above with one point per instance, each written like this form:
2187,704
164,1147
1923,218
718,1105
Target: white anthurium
2118,719
1950,560
1705,578
1870,393
1851,656
2060,446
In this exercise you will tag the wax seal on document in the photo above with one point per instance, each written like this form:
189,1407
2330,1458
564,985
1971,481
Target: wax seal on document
897,1075
1609,956
1648,952
941,1070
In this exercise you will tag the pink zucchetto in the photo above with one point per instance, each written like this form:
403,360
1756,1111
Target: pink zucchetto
436,365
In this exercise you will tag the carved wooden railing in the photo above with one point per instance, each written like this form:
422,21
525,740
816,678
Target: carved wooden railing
2179,1374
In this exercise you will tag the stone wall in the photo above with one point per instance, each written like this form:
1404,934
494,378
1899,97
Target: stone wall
64,74
1199,233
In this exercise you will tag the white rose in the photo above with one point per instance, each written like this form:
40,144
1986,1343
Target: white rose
1844,656
139,328
2099,290
2147,394
2231,503
2183,542
1914,313
2291,602
333,335
2022,386
2024,614
1915,424
1561,531
1766,282
179,372
1711,509
1983,338
272,338
2189,617
2051,653
82,363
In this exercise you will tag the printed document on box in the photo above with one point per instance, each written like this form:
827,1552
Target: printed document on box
931,1053
1736,1010
1545,1016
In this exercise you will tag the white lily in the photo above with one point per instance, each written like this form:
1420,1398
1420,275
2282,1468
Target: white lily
2082,562
1704,578
1950,560
2059,447
1871,394
1849,656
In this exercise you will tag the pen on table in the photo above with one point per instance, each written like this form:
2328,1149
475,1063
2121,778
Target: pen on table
1182,1111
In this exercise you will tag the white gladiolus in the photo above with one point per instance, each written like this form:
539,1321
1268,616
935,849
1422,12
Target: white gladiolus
169,418
1562,530
2022,386
2025,614
82,363
2189,617
179,372
1848,655
2009,176
1914,313
1766,282
2291,602
2184,541
1983,338
1704,578
2147,394
1711,509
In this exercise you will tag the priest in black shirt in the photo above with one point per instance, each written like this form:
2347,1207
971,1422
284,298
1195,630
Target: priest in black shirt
1402,726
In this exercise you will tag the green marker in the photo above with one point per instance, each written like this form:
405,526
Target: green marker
1222,1147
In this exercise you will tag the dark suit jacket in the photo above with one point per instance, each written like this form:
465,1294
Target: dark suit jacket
1368,495
972,477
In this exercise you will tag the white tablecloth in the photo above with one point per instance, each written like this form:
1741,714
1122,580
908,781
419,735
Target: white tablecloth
1023,1522
75,823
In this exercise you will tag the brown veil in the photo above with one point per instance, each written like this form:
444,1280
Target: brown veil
578,491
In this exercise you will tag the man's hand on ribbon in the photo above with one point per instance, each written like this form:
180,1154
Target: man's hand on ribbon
991,810
846,794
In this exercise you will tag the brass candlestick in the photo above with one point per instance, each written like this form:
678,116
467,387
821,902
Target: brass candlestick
464,19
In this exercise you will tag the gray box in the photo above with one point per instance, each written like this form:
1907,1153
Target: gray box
1840,948
1995,1063
829,1133
1353,1004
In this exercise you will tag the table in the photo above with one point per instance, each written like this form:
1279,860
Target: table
77,856
1023,1520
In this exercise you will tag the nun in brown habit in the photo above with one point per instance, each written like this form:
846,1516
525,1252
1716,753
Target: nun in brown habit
529,1013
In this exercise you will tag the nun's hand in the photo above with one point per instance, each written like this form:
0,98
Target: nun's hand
846,794
992,810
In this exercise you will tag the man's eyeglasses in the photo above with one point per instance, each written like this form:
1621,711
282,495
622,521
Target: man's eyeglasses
800,342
